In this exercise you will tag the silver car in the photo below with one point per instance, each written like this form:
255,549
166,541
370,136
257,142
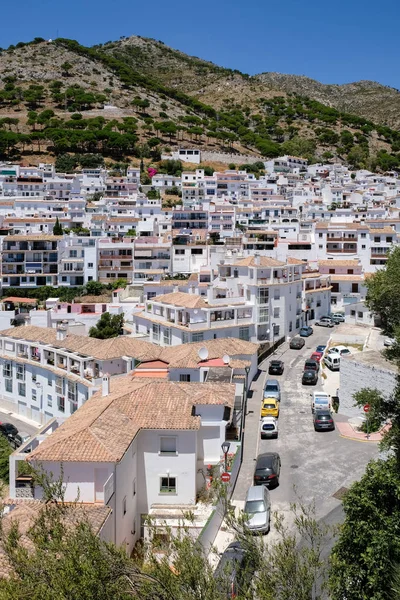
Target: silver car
258,509
325,322
272,389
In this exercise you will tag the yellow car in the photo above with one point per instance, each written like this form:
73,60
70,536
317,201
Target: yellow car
270,407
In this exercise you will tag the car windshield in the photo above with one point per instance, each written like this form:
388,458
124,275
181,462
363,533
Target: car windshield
268,426
275,363
323,417
271,387
254,506
269,405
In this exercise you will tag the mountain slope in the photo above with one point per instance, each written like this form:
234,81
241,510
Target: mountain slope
53,97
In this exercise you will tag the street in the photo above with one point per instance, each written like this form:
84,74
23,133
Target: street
315,465
5,417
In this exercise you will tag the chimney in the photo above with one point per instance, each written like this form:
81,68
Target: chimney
256,259
105,388
62,331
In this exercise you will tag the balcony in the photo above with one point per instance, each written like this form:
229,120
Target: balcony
341,250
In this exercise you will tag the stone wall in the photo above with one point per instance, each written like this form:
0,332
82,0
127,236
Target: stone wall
354,376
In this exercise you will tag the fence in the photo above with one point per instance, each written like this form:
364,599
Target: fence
211,528
267,349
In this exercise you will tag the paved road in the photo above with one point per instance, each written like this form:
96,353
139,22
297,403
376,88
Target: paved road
314,465
20,425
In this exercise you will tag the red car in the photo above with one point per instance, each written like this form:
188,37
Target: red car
317,356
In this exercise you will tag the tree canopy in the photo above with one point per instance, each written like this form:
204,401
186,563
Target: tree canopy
108,326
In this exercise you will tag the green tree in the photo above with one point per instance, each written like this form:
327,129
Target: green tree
108,326
94,288
131,233
368,545
5,451
57,229
383,292
66,68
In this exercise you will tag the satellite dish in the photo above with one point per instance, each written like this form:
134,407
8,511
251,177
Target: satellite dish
226,358
203,353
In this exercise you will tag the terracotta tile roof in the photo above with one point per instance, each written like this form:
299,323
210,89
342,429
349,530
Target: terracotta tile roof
27,237
103,299
383,230
104,427
16,299
181,299
26,512
296,261
264,261
339,277
339,263
166,282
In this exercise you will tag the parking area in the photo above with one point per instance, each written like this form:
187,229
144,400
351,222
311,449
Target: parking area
315,465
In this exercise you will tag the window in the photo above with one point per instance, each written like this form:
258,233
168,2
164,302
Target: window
290,326
263,295
168,445
34,395
73,253
49,400
276,330
197,337
276,312
320,246
72,391
167,485
360,315
21,389
244,333
179,251
134,526
8,385
353,313
7,370
363,247
263,315
389,240
277,295
59,386
156,332
350,271
21,372
197,251
124,506
134,487
320,235
167,336
185,337
61,403
90,265
50,382
34,377
377,239
184,377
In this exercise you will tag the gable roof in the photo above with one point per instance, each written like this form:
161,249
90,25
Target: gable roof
264,261
182,299
104,427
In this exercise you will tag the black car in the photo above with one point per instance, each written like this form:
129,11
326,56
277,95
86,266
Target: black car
8,429
323,421
234,571
276,367
309,378
268,468
297,343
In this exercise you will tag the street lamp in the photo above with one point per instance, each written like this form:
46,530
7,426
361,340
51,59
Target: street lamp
273,337
225,449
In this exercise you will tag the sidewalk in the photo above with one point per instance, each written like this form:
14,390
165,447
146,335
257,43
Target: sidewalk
4,411
347,430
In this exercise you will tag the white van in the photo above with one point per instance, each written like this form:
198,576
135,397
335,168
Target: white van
320,401
332,361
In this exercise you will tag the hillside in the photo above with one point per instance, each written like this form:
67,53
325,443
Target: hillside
53,97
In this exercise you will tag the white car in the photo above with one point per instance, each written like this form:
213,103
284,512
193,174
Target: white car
389,342
269,428
340,350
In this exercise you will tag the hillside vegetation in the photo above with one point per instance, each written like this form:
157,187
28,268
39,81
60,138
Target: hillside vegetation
52,97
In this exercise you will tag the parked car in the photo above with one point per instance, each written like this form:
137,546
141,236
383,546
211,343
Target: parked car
20,439
323,421
296,343
311,365
306,331
269,428
389,342
338,318
325,322
8,429
276,367
320,401
309,378
258,509
272,389
268,469
332,361
270,407
234,571
340,350
320,349
316,356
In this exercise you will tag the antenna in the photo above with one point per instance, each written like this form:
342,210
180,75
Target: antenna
226,358
203,353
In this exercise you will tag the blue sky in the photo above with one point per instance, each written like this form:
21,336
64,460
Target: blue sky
336,42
